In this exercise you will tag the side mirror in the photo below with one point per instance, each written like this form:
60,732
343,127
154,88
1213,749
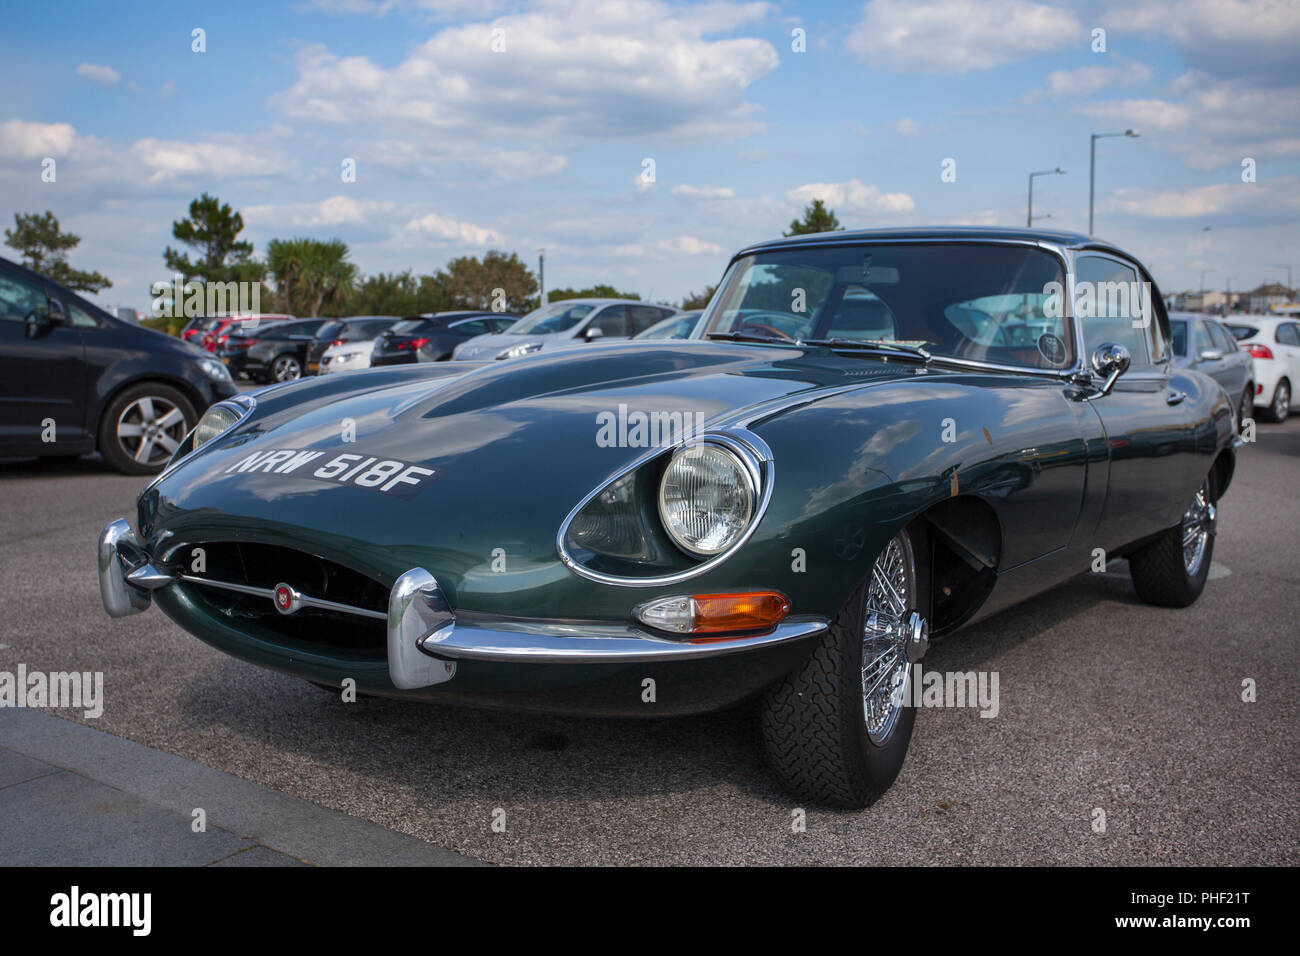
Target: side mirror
593,333
1111,360
54,313
1211,355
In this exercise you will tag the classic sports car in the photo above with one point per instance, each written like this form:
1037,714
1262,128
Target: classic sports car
859,457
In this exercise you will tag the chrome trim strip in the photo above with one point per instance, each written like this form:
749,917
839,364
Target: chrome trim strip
594,644
303,600
118,549
751,449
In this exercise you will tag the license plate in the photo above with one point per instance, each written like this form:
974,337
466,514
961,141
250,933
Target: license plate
313,366
225,359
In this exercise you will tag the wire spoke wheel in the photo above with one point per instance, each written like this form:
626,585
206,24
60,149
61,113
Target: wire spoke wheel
1199,524
885,671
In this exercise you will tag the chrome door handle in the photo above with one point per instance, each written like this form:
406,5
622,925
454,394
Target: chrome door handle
1173,398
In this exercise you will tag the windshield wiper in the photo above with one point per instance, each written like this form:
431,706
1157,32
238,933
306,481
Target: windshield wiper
749,337
878,348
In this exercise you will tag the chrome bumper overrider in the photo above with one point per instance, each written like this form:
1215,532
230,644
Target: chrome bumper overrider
425,639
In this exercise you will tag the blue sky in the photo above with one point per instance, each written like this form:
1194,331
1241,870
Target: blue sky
460,148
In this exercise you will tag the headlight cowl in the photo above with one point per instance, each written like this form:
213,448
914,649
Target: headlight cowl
214,421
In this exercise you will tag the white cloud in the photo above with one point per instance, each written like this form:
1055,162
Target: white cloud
689,246
1142,115
852,197
703,192
446,228
23,140
105,76
588,69
958,36
1089,80
234,157
334,211
1205,201
907,127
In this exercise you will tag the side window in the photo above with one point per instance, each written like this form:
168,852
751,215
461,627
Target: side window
1205,337
20,298
641,317
1222,340
1108,302
472,327
503,323
1287,335
80,317
611,321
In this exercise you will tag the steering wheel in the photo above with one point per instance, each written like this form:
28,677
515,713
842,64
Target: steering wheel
748,325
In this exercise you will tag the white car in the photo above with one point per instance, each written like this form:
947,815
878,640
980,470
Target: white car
565,323
1274,344
347,357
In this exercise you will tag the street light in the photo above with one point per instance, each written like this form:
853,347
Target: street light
1092,166
1029,216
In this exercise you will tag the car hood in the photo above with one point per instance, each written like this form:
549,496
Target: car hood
503,451
485,347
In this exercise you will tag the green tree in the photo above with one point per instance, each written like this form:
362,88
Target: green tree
396,293
44,249
698,300
472,284
816,218
601,291
212,230
311,277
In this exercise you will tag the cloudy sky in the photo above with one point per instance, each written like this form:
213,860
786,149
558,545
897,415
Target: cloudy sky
478,124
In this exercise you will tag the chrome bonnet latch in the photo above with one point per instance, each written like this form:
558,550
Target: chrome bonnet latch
418,615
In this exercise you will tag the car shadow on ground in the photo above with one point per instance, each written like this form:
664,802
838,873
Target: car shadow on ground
454,755
63,466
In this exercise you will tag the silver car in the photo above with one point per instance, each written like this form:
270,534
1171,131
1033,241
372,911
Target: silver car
1201,342
565,323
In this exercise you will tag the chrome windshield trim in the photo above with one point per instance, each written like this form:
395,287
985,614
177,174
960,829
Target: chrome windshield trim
1062,253
303,600
751,449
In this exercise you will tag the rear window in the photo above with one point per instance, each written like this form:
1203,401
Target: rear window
407,326
1242,332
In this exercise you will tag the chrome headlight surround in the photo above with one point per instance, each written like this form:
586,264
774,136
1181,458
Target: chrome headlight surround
240,406
716,457
751,450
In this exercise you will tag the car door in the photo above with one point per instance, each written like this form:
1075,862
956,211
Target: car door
1236,363
1151,438
42,369
1211,357
1288,344
611,320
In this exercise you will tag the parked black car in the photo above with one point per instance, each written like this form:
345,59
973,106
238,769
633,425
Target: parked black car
431,338
355,328
74,379
274,352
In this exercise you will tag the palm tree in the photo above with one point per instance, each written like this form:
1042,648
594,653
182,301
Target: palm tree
311,277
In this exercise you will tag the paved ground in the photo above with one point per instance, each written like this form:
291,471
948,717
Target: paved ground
1105,704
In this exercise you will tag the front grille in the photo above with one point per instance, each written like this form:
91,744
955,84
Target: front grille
265,566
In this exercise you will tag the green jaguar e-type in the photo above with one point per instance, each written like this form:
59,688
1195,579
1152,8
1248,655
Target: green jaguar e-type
883,436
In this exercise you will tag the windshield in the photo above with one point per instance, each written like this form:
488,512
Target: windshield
990,303
549,319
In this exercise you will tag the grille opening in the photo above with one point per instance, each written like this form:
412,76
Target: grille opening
265,566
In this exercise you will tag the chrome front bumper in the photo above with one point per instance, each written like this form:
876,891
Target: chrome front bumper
425,639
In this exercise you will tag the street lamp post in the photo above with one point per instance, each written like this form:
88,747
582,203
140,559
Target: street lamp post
1029,215
1092,167
541,274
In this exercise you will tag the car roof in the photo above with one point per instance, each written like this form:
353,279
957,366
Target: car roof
1072,240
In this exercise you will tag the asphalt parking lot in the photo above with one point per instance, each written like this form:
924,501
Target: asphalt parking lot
1105,703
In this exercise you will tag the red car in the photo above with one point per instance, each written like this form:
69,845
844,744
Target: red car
214,335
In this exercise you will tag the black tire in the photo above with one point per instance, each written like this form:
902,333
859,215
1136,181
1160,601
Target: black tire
1277,409
1160,570
814,730
122,451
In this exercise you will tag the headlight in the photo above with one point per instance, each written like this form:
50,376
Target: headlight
214,421
215,370
518,350
706,498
